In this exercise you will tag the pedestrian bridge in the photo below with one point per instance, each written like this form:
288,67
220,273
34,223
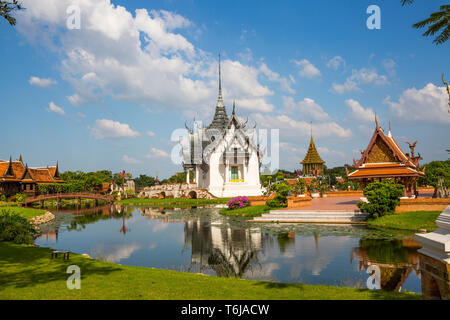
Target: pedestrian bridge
59,196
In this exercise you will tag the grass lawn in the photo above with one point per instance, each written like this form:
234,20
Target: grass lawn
253,211
174,201
27,272
408,221
25,212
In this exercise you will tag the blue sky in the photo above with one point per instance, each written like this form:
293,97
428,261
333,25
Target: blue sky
109,95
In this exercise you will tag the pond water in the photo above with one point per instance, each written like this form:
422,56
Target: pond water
200,240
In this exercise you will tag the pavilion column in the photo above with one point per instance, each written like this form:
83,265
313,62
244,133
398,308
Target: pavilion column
187,175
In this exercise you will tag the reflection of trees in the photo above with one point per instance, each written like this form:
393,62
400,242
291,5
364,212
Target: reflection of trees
395,258
229,252
104,213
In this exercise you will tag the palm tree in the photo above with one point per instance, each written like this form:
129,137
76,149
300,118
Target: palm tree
7,8
438,22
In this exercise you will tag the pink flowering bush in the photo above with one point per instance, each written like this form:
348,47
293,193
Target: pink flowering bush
238,203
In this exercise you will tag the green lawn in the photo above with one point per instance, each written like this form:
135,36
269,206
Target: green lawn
174,201
413,221
27,272
25,212
253,211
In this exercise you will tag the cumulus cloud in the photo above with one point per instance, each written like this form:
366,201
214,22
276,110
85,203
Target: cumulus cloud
361,76
358,112
142,58
307,69
130,160
150,133
429,104
109,129
336,62
40,82
273,76
292,128
55,109
158,153
308,108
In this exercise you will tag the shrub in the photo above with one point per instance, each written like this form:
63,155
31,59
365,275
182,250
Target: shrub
14,227
280,199
300,187
238,203
382,197
21,197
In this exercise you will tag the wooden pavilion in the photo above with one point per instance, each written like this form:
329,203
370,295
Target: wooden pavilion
17,177
383,158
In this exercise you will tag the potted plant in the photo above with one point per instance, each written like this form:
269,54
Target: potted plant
314,189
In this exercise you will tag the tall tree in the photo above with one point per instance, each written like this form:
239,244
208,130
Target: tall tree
438,23
7,8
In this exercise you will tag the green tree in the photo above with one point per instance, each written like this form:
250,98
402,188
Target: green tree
383,197
438,22
7,8
435,171
144,181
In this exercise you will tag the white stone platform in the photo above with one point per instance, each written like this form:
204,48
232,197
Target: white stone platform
316,216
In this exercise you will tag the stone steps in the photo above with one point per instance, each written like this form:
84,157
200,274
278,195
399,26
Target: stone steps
324,216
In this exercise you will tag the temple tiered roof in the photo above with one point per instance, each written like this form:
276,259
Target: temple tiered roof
383,158
16,171
312,156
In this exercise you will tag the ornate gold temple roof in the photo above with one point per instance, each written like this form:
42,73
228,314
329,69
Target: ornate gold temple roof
312,156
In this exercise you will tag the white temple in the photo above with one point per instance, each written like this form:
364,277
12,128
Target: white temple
223,156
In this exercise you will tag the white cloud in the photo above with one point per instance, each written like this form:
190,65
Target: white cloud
359,112
307,69
308,108
109,129
40,82
158,153
55,109
142,58
273,76
336,62
361,76
429,104
389,65
150,133
130,160
293,128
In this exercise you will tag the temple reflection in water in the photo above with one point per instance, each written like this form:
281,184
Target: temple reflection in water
229,252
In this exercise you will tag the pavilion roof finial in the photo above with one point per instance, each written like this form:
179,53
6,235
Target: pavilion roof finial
376,121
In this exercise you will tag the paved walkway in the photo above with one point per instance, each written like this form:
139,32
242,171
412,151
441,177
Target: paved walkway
330,203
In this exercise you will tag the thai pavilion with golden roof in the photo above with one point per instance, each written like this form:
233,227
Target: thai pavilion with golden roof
313,164
383,158
17,177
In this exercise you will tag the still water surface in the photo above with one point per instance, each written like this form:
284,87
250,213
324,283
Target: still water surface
201,240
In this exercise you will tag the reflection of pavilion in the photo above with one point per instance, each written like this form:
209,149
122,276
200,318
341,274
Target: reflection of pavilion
396,260
229,252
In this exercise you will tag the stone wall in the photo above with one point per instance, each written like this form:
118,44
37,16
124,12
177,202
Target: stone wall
422,204
177,190
298,202
351,193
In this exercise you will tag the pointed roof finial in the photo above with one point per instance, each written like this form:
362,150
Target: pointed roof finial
20,159
220,99
376,121
234,107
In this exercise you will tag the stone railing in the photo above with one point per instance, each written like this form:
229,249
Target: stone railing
422,204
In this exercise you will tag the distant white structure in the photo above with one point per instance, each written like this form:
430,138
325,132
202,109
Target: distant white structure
129,185
223,156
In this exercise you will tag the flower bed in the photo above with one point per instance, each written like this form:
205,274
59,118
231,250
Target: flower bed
238,203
